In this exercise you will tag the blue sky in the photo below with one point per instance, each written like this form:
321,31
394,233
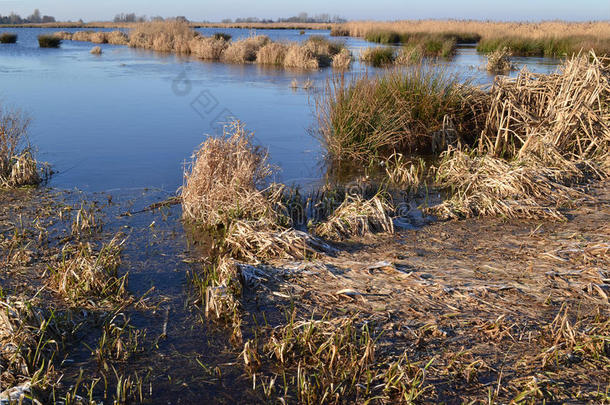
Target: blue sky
527,10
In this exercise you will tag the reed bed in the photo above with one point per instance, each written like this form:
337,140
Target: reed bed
64,35
18,167
519,149
8,38
167,36
550,38
180,37
378,57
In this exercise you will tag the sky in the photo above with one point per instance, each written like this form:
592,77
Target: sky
200,10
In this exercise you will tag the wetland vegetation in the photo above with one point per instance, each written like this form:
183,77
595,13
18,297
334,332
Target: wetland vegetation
464,260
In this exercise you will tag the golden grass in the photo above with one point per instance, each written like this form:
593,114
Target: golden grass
166,36
83,275
342,60
117,38
96,50
484,29
244,50
357,216
224,180
83,36
208,48
273,53
301,57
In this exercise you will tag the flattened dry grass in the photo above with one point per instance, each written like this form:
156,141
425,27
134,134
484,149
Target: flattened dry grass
357,216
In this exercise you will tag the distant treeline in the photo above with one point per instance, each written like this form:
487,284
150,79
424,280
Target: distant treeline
35,18
301,18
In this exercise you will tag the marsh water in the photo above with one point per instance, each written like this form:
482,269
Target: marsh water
131,118
119,127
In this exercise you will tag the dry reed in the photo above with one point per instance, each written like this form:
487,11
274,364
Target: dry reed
499,61
17,165
244,50
273,53
224,180
166,36
96,50
208,48
357,216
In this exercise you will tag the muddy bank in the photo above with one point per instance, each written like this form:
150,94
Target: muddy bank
465,310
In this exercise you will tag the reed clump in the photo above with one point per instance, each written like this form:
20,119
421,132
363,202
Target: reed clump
117,38
84,275
342,60
96,50
208,48
48,41
8,38
301,57
378,56
163,36
544,135
499,61
358,216
18,167
245,50
419,110
273,53
225,179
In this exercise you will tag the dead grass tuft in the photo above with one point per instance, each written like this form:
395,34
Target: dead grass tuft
224,180
85,276
96,50
357,216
